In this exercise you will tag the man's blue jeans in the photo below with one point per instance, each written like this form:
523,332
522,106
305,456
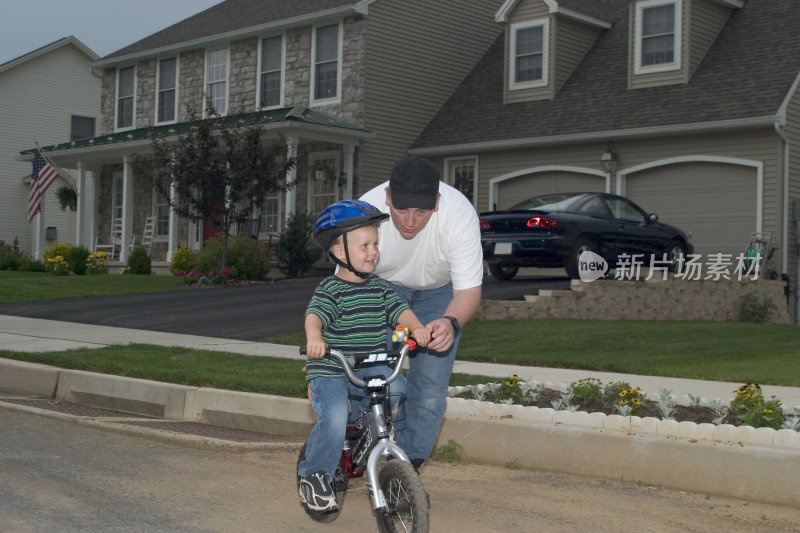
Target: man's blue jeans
336,400
428,377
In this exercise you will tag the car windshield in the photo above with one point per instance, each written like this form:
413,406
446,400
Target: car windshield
546,202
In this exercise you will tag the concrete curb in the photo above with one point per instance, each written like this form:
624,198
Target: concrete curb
757,465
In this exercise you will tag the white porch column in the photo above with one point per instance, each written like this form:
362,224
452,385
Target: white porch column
172,235
127,210
291,177
38,232
81,190
348,149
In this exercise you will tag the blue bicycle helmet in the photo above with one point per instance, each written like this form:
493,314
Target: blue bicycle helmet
341,217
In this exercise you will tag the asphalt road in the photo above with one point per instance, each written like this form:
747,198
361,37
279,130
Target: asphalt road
251,313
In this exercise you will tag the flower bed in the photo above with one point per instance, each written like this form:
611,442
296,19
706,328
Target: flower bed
749,407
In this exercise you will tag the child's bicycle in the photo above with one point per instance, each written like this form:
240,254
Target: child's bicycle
398,498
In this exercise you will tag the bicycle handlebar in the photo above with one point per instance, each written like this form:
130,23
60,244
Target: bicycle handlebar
370,358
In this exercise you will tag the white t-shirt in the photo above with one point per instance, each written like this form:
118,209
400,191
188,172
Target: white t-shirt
447,249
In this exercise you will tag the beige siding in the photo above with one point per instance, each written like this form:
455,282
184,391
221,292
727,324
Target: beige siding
707,18
415,60
793,192
572,40
37,109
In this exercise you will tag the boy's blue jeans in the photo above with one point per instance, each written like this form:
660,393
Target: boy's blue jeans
429,373
337,401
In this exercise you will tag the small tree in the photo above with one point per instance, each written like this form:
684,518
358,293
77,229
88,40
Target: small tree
296,251
220,169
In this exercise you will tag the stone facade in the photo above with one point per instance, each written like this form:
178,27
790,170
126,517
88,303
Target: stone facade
671,299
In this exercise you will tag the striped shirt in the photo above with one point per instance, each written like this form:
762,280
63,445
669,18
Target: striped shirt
355,319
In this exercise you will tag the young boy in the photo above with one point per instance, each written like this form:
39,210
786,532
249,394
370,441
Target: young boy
350,311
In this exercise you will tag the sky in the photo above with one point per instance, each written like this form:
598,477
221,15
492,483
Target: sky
104,26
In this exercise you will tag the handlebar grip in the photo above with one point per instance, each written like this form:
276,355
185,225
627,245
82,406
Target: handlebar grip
303,350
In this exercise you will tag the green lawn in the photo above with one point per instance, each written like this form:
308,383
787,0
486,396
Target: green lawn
28,286
720,351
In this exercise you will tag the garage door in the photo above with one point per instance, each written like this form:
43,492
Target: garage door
715,203
515,190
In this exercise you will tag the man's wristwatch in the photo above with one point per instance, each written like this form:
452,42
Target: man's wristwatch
454,321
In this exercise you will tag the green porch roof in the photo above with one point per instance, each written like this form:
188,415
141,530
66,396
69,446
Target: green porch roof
286,115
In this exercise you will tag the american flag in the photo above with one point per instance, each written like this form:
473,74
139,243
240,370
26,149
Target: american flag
42,176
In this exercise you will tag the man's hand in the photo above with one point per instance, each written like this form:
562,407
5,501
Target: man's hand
442,335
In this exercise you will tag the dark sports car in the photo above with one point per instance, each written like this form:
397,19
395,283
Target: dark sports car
553,230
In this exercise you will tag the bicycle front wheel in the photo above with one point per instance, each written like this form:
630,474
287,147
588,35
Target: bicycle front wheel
406,501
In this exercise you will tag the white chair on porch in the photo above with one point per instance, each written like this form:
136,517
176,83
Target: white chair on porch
147,234
114,245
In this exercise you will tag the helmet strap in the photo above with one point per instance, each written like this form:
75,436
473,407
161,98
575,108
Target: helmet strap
346,264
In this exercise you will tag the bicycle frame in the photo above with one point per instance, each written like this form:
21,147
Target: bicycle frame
377,427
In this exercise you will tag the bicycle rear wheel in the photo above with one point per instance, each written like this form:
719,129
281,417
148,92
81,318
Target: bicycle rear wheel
406,501
339,487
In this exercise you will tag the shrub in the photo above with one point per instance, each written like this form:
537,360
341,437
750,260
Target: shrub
755,309
183,260
244,259
55,258
587,390
139,261
11,258
296,252
77,257
753,410
96,263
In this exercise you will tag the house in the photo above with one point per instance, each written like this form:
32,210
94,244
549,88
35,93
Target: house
348,84
688,107
48,95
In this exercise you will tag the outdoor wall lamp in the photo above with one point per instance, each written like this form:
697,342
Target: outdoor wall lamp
608,161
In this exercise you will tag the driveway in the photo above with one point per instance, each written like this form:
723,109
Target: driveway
251,313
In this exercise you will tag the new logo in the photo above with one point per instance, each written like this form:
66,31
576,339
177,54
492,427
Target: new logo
591,266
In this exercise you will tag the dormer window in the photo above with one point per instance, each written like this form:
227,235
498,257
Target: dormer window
658,36
528,54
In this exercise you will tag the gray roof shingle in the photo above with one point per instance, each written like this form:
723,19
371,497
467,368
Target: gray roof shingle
747,73
227,16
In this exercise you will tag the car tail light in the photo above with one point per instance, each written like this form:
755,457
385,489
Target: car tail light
485,224
541,222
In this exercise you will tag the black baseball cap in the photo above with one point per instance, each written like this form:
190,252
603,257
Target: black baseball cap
414,182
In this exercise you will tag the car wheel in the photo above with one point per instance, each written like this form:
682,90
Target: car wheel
581,245
675,250
503,273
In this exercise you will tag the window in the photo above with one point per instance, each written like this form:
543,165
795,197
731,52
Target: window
658,36
271,72
161,213
167,90
217,80
81,128
528,54
271,215
323,190
462,176
325,85
125,90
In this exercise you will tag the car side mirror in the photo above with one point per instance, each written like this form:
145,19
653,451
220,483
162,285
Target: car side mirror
652,218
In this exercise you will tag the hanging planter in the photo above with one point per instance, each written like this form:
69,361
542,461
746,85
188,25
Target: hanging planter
67,197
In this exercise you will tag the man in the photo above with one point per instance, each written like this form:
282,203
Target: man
431,255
